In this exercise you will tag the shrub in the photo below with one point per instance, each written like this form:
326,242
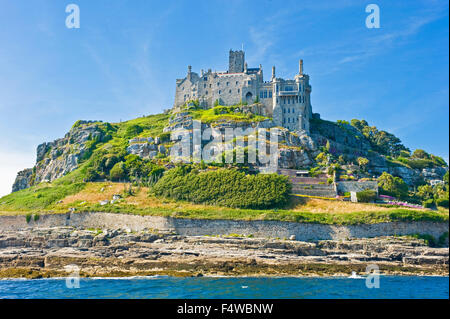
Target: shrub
91,174
429,239
442,202
132,130
366,196
429,203
225,187
393,186
117,172
164,137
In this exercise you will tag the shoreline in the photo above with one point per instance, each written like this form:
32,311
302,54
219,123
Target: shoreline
45,252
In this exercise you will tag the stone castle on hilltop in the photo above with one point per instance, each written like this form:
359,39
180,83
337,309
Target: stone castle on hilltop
288,102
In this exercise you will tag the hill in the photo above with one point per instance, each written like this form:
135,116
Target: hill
139,152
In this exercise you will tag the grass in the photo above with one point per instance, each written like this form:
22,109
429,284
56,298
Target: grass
86,197
220,113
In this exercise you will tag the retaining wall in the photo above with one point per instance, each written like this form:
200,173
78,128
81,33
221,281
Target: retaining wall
199,227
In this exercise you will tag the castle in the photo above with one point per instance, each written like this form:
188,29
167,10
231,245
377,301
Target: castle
286,101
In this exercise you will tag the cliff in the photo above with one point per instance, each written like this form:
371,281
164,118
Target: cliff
99,146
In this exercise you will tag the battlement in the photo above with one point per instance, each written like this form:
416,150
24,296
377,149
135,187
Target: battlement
287,101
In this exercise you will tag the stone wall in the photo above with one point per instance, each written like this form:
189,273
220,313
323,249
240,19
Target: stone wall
201,227
351,186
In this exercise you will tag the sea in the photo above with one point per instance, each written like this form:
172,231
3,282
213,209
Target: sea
161,287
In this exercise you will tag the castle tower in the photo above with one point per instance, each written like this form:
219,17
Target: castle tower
300,67
236,61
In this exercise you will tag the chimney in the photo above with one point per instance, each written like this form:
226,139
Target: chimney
300,67
273,72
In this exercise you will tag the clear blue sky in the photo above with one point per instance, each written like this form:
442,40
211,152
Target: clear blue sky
123,62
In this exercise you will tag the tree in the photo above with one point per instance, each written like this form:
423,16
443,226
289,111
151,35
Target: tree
117,172
420,154
393,186
363,162
381,141
322,159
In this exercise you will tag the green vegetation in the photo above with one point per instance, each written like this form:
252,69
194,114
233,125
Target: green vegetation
366,196
219,113
38,197
381,141
224,187
392,186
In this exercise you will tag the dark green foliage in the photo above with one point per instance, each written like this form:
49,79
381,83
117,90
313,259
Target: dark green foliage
382,142
392,186
366,196
429,203
117,172
164,137
224,188
420,154
442,202
132,130
429,239
442,239
91,174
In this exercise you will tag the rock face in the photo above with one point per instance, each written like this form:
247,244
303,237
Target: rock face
112,252
56,159
23,180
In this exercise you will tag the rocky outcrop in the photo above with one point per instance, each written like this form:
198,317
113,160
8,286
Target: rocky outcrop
23,180
56,159
111,252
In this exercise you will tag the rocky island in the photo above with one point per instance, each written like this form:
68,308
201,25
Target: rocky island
167,193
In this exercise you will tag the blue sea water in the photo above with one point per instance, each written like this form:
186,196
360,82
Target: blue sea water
403,287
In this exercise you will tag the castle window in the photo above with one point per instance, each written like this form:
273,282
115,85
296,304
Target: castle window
270,94
284,110
205,78
220,91
289,100
206,93
289,120
237,82
228,83
218,83
299,87
260,94
289,110
265,94
239,90
210,85
204,86
229,91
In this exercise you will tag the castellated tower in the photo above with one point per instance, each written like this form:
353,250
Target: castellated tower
287,101
236,61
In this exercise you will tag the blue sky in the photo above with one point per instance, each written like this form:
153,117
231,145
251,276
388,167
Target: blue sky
123,61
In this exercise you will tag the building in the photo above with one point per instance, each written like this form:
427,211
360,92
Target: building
287,101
